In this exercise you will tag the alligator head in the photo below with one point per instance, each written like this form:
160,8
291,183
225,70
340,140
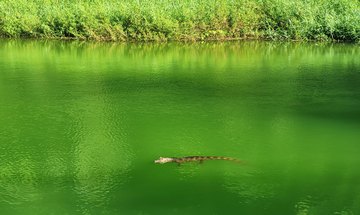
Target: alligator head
164,160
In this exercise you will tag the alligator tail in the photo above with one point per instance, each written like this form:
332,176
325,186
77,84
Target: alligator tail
223,158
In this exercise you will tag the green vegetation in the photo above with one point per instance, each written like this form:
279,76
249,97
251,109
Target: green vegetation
146,20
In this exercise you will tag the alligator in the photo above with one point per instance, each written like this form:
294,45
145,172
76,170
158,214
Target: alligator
201,159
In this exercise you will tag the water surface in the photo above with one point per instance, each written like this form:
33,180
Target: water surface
82,123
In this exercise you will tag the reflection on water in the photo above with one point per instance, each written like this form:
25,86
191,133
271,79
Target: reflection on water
81,124
102,157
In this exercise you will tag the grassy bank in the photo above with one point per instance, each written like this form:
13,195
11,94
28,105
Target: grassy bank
146,20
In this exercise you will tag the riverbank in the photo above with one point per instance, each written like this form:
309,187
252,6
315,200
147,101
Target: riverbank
176,20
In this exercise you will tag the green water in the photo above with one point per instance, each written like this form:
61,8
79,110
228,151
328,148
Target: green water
82,123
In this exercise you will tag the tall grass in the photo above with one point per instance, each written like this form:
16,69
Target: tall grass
144,20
